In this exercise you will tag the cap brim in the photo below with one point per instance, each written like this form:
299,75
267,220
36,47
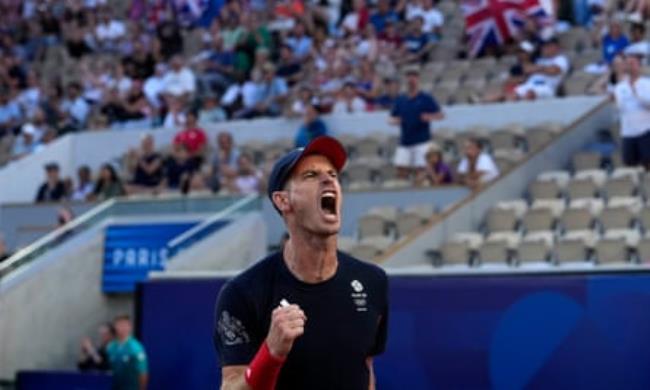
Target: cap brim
328,147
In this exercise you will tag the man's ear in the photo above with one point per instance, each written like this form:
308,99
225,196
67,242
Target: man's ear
281,200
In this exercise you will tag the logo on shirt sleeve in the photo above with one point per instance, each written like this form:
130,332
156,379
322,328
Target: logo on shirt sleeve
231,330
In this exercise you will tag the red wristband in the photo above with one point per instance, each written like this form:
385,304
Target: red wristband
263,372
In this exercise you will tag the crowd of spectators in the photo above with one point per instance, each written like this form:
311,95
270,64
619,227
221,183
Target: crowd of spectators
77,65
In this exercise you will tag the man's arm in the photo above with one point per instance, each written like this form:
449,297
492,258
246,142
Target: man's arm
371,370
233,378
432,116
143,379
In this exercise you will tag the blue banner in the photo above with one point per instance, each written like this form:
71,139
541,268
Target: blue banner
584,331
131,251
62,380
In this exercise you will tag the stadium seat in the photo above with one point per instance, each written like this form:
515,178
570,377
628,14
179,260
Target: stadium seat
620,186
540,219
494,252
407,222
536,138
499,220
568,250
562,178
530,251
619,217
502,139
371,225
557,206
577,218
544,189
643,250
586,160
582,188
455,253
519,206
611,250
355,171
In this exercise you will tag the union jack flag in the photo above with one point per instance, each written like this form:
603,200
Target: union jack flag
192,12
494,22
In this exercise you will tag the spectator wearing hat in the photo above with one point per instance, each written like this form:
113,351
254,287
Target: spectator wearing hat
545,75
632,95
53,190
436,172
413,112
312,127
27,143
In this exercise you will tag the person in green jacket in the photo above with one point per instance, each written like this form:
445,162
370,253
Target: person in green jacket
127,357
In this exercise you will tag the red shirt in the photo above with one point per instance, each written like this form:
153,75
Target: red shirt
193,139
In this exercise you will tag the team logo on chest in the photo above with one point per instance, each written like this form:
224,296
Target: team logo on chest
359,297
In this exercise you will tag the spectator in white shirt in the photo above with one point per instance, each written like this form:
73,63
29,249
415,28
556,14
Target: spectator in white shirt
76,106
545,76
349,101
477,167
109,31
154,86
432,18
179,80
632,96
638,42
85,185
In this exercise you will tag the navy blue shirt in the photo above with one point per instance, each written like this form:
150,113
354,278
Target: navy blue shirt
409,110
611,47
309,131
380,20
347,322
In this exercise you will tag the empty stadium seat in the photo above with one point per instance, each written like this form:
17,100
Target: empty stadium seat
371,225
582,188
611,250
540,219
570,250
586,160
501,220
620,186
544,189
494,252
619,217
455,253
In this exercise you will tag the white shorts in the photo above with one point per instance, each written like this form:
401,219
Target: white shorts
413,156
542,91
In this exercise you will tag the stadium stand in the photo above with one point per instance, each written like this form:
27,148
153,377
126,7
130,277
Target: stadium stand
83,82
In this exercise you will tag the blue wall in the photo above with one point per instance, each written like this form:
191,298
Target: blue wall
502,332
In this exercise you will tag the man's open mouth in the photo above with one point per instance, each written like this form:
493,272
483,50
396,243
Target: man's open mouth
328,202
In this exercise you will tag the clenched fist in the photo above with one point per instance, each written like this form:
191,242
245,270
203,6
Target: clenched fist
287,324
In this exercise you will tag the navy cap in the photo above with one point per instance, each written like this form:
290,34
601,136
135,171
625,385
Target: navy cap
324,146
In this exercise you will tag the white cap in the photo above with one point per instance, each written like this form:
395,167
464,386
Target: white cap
29,129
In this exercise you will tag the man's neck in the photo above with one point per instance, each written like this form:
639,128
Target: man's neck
311,259
634,78
121,340
413,92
